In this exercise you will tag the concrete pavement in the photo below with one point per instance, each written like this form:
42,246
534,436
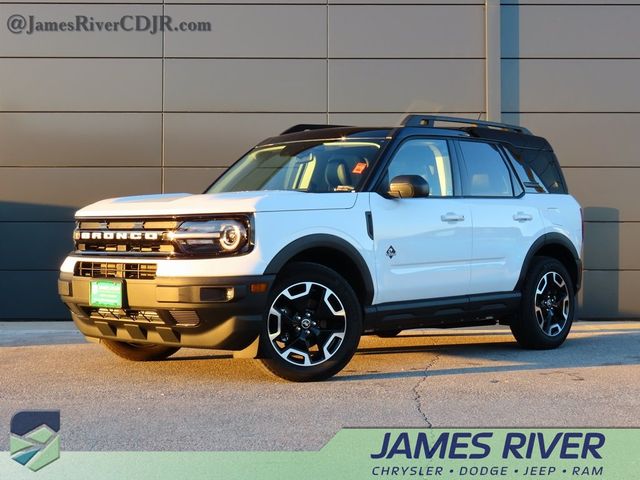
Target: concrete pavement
206,400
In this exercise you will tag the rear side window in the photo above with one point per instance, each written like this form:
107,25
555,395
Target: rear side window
539,166
486,173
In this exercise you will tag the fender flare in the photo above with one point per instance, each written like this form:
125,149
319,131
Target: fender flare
323,240
552,238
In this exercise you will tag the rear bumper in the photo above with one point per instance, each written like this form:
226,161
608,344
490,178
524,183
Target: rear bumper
220,313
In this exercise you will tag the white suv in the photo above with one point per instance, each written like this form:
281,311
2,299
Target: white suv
325,233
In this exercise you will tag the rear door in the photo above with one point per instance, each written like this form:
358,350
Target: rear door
504,223
422,245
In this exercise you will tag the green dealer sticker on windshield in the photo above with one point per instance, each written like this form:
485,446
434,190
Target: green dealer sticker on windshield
106,293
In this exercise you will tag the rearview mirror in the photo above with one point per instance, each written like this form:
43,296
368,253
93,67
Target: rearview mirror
409,186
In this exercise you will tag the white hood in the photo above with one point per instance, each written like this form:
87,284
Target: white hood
237,202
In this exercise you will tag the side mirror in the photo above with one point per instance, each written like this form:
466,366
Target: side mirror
409,186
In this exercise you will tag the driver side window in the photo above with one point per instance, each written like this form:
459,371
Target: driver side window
428,158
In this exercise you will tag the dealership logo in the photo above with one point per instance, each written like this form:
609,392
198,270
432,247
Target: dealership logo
34,440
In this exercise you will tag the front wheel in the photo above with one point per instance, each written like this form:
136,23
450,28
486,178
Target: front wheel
548,306
313,324
138,352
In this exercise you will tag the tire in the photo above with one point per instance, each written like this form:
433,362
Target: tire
547,307
389,333
139,352
312,324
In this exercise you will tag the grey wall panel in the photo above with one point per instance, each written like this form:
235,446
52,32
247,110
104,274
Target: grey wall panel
30,295
80,139
80,84
71,44
237,85
612,246
567,2
250,31
606,194
610,295
571,31
585,140
406,31
191,180
47,243
387,119
579,85
45,194
406,85
219,139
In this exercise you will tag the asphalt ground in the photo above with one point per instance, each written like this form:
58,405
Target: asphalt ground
205,400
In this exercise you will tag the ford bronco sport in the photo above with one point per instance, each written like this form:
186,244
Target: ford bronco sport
325,233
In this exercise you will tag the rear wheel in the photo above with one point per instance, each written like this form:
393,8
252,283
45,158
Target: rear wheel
313,324
548,305
138,352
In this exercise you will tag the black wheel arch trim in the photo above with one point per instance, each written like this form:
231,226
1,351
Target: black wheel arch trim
552,238
323,240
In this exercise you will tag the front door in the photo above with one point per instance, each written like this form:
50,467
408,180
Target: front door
422,245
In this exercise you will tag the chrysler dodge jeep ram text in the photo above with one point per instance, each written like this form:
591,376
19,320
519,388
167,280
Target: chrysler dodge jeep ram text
325,233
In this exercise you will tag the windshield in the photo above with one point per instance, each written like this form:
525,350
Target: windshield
308,166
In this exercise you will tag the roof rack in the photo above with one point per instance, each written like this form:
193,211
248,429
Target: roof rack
302,127
429,121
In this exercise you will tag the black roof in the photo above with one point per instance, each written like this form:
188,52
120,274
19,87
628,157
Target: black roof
328,132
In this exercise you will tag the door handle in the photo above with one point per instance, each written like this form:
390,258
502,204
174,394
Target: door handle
522,217
451,217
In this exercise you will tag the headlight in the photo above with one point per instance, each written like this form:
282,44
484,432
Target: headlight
212,237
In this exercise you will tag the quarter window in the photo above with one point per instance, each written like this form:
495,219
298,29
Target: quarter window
428,158
486,173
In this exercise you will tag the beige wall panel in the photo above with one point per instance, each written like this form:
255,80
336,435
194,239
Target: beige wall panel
606,194
585,140
45,194
404,2
190,180
219,139
610,295
612,246
570,31
80,84
406,31
406,85
77,44
80,139
250,31
580,85
224,85
47,243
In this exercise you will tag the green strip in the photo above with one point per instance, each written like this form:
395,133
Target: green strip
349,456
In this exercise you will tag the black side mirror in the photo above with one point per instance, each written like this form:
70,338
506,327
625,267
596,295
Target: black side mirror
409,186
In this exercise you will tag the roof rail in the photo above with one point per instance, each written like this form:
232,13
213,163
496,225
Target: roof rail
429,121
302,127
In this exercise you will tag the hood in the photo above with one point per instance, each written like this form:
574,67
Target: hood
235,202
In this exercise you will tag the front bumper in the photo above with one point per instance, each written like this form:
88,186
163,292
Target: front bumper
210,312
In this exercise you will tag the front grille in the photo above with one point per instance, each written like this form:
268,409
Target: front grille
137,237
129,271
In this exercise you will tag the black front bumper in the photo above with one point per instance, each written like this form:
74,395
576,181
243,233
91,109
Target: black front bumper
221,312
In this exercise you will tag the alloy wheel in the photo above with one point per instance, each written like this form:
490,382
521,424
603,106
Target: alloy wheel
307,323
552,304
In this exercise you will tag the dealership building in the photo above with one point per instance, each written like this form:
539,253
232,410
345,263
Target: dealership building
86,115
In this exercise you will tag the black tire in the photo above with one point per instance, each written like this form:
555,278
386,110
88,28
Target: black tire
545,318
323,308
139,352
389,333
